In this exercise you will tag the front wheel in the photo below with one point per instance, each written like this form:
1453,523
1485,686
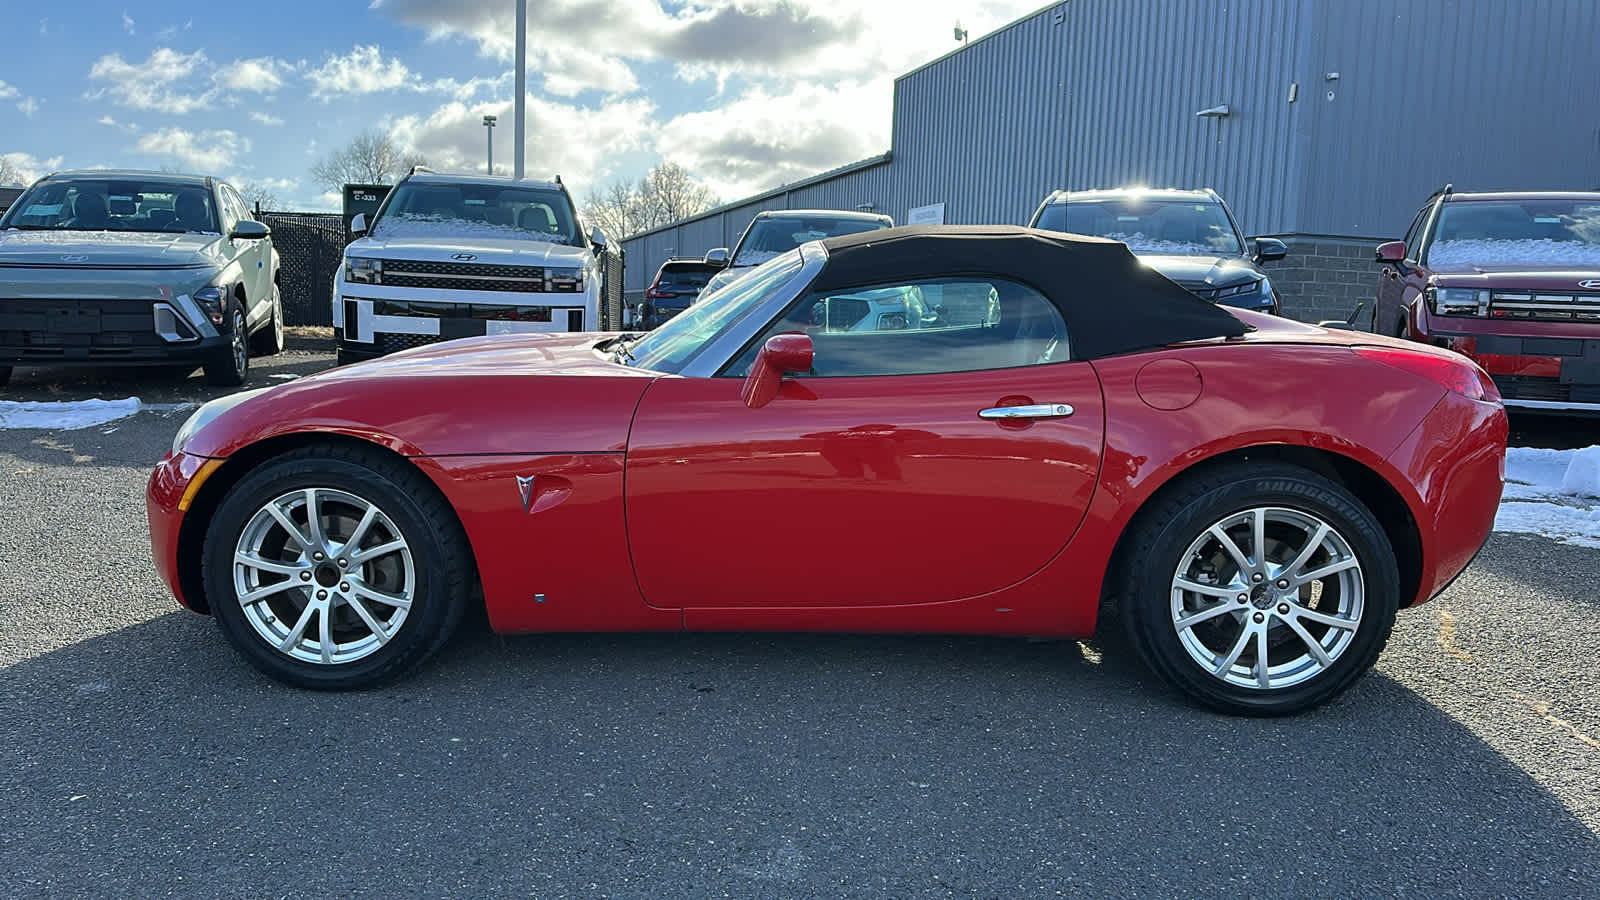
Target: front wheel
335,568
1266,589
231,367
269,341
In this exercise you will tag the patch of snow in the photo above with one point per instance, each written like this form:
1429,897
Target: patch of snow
285,376
408,226
1553,493
757,257
66,415
1541,252
1149,246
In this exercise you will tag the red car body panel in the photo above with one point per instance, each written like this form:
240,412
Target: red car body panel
854,504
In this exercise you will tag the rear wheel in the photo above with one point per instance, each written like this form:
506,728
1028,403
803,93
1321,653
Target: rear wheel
269,341
1266,589
335,568
231,367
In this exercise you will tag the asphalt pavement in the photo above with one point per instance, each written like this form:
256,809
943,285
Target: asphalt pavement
140,757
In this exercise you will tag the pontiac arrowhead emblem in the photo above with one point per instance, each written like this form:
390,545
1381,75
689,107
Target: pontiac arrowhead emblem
525,485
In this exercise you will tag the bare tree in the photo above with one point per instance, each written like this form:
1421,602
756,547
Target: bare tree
9,173
371,158
665,194
259,196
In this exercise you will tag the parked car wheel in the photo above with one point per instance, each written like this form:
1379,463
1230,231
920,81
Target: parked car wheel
1260,590
335,568
231,367
269,341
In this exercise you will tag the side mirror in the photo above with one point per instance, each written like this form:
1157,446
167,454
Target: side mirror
782,353
598,239
717,257
1391,252
249,230
1269,249
358,225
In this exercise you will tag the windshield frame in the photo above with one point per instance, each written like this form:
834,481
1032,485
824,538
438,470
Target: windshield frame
745,319
1227,216
214,210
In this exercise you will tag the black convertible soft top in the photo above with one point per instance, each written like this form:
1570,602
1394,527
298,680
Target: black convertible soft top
1112,303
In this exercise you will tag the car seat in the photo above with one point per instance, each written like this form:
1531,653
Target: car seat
89,211
190,209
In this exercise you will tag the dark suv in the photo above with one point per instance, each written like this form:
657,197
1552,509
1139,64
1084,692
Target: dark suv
1188,236
677,284
1511,280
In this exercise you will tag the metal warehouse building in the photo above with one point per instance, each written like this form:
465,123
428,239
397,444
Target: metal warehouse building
1343,116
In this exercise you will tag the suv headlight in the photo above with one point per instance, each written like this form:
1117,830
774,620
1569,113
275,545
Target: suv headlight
211,302
361,270
565,279
1458,301
208,412
1259,286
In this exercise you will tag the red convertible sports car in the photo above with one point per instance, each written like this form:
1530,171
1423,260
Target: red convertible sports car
985,430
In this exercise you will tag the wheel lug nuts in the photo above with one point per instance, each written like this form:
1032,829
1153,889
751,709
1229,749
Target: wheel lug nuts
318,556
322,595
1260,618
1244,598
1283,583
1283,609
344,586
343,563
1257,577
305,576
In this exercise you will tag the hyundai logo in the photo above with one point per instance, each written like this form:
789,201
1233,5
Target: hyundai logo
1590,285
73,259
464,257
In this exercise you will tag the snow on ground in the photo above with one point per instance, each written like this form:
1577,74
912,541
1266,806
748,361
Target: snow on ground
74,414
1554,493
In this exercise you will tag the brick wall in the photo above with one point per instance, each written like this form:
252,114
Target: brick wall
1325,277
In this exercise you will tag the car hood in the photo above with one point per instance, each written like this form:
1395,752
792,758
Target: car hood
1518,276
109,249
1214,271
481,249
503,394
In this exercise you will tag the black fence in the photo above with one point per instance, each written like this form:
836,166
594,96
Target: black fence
310,247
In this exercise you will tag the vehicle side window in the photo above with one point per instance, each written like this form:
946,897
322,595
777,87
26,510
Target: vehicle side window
239,204
230,213
1413,237
922,328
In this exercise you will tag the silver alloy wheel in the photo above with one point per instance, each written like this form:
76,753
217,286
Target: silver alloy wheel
241,337
1267,598
330,555
277,317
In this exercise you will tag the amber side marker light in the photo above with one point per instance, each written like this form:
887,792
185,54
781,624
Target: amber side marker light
200,476
1460,375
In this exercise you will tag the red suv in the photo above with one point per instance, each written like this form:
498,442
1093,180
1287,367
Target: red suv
1511,280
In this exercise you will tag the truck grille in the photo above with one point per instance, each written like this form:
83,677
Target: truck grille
394,343
79,329
462,276
1544,306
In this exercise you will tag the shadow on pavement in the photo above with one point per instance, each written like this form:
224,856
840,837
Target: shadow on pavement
767,765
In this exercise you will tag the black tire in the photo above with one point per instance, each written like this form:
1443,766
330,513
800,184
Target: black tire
5,375
269,341
231,366
441,579
1161,540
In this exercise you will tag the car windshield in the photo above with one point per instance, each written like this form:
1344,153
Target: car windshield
1149,227
1529,232
777,235
675,344
433,209
104,204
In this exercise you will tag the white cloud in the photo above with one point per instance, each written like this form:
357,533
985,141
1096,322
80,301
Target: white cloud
762,140
266,118
262,75
127,22
363,70
562,139
204,152
28,167
7,91
155,83
121,126
29,106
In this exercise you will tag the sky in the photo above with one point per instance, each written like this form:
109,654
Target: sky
745,94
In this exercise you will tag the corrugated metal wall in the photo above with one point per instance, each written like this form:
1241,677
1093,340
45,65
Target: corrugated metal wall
1102,93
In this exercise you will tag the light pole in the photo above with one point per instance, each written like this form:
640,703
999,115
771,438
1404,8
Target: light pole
519,113
488,124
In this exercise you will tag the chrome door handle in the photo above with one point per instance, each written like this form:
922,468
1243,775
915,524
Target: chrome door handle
1036,411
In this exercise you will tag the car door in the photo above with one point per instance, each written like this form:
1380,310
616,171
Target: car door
877,479
251,256
1396,283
